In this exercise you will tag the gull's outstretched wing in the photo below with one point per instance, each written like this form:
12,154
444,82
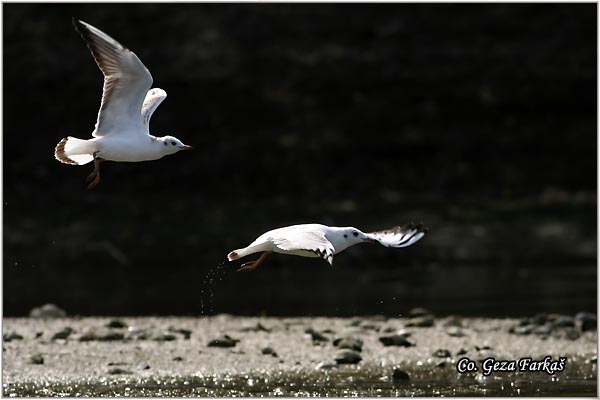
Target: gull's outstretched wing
126,82
399,236
151,103
314,242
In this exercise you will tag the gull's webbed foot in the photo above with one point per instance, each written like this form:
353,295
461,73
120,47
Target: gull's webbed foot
94,178
250,265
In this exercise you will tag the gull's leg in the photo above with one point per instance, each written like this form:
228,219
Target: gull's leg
250,265
94,177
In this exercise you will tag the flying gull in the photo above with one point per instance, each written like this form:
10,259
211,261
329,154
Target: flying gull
316,240
122,129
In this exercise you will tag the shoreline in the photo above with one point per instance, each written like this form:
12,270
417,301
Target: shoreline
147,356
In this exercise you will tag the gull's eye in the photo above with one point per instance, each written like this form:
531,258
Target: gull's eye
355,233
172,143
346,236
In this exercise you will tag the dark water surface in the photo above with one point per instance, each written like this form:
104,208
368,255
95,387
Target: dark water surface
481,258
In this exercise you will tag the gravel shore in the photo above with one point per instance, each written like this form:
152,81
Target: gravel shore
232,356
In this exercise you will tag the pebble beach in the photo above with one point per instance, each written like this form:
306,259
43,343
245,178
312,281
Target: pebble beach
227,355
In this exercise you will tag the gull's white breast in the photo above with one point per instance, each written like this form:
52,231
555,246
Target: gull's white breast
128,148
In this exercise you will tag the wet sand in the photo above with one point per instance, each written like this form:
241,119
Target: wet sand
156,356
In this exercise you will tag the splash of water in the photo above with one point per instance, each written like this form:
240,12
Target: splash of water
213,275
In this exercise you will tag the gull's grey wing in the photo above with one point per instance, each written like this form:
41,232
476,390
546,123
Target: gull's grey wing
126,82
400,236
314,242
151,103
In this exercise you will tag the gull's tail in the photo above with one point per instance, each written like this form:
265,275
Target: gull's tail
74,151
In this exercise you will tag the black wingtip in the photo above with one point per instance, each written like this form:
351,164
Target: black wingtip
76,23
422,228
80,28
419,226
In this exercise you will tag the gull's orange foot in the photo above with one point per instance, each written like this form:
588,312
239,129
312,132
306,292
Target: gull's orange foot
249,266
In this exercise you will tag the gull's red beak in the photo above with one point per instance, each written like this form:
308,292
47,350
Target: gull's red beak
186,147
371,240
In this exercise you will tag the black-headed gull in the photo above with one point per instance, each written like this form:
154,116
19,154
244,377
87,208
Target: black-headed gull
316,240
122,130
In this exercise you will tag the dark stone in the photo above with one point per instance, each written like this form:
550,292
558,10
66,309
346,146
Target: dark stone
454,321
119,371
224,341
485,353
399,375
7,337
395,340
38,335
113,336
461,352
441,364
421,322
389,329
47,311
269,351
318,337
63,334
165,338
586,321
419,312
347,357
442,353
572,334
521,330
355,322
185,332
542,329
326,366
563,321
116,324
139,333
350,343
371,327
257,328
178,358
455,332
88,337
37,359
108,337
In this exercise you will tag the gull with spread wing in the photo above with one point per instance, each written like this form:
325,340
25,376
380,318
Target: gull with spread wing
122,129
316,240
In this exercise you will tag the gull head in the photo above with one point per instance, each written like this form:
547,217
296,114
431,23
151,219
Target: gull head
354,236
346,237
171,145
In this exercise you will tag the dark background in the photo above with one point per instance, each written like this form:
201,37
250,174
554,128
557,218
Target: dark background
479,120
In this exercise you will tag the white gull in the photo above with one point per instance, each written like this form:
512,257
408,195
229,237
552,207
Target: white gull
316,240
122,129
